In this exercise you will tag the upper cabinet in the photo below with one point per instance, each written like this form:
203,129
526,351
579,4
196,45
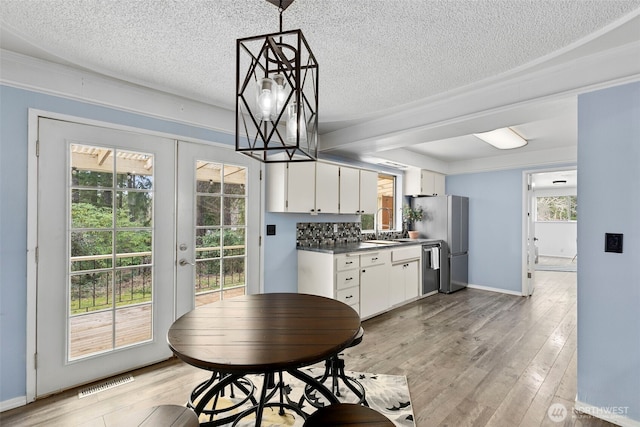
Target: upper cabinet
349,190
358,191
421,182
319,187
327,187
368,192
302,187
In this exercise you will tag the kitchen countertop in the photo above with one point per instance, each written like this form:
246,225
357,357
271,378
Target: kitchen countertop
341,248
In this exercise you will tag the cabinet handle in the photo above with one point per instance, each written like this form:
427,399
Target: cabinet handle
313,210
364,271
350,296
374,259
349,262
348,278
319,210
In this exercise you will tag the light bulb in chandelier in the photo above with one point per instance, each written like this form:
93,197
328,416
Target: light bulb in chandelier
295,121
280,92
266,99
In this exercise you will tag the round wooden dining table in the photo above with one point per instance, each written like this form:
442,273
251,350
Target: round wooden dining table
261,334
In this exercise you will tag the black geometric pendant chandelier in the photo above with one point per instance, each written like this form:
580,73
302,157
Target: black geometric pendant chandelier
277,96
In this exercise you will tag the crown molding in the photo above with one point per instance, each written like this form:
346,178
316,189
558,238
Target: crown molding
63,81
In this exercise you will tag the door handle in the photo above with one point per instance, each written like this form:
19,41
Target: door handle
184,262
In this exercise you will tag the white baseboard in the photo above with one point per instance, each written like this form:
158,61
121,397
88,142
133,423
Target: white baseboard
13,403
615,415
490,289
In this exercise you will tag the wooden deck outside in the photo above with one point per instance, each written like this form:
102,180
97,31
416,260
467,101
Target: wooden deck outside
93,332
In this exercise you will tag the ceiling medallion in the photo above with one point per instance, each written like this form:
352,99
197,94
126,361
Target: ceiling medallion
277,96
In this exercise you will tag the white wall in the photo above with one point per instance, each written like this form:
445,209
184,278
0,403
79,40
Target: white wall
557,239
609,283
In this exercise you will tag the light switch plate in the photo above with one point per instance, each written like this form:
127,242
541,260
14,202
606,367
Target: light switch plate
613,242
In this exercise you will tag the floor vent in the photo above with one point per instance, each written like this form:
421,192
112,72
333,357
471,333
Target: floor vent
115,382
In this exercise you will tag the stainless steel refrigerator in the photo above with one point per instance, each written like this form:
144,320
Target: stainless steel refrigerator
447,218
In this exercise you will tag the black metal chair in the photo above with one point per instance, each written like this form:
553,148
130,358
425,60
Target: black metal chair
334,371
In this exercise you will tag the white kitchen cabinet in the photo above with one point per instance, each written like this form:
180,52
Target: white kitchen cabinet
331,276
300,187
405,277
358,191
327,188
349,190
370,281
311,187
368,192
404,282
374,282
319,187
421,182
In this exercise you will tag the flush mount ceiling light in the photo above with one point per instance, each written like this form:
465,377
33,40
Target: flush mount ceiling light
277,96
503,138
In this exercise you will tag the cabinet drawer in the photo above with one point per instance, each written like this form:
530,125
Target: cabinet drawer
349,296
346,279
406,253
347,262
368,259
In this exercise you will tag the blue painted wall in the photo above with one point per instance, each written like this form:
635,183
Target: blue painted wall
495,226
609,283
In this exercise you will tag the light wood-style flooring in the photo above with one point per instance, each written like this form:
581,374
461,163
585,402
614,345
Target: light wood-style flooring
472,358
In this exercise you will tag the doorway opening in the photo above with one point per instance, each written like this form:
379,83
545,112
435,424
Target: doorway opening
550,223
556,216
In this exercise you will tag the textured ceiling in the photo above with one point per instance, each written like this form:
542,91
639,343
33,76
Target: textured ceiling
374,55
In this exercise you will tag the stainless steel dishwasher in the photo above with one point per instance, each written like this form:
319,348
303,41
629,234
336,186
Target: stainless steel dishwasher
432,268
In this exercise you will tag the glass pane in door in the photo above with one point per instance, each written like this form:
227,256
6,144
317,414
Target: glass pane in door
220,231
110,293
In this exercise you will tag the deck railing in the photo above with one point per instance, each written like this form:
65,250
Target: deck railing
91,281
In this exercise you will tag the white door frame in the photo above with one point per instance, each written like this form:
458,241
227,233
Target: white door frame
32,222
525,179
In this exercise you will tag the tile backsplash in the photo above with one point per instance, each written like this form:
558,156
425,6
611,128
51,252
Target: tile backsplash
335,233
326,233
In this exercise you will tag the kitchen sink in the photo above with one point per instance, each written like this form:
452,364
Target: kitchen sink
383,242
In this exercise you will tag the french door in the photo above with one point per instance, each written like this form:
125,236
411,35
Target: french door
218,223
127,236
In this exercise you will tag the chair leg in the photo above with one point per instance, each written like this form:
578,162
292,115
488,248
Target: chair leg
334,370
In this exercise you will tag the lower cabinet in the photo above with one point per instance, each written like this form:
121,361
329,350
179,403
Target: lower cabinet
332,276
404,283
374,283
366,280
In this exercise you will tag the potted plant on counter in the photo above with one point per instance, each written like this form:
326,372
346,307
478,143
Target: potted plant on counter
410,216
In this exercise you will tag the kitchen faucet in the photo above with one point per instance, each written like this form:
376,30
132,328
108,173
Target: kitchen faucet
375,221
